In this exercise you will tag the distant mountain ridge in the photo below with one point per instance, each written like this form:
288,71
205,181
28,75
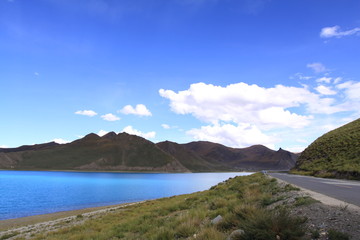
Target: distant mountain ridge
125,152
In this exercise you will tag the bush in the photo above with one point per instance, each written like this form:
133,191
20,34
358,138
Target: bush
336,235
267,224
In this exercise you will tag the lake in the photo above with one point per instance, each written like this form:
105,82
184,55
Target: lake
27,193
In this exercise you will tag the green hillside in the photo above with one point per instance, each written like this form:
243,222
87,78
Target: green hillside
335,154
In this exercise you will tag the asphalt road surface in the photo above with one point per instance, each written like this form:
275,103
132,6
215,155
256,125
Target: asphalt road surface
345,190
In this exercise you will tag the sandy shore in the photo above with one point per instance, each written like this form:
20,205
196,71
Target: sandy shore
58,216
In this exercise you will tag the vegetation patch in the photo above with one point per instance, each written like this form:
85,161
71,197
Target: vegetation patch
242,203
336,235
336,154
303,201
8,235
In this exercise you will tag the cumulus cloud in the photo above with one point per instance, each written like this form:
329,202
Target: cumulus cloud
110,117
317,67
242,103
241,135
329,32
325,90
89,113
240,114
139,110
60,141
131,130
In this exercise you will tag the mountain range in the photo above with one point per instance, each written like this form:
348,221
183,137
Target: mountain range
125,152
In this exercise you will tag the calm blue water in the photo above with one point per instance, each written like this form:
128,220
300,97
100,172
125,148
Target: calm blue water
26,193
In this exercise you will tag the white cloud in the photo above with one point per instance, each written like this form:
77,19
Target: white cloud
329,32
60,141
131,130
300,76
325,90
337,80
239,136
110,117
3,146
102,133
165,126
240,115
140,110
317,67
324,79
295,149
242,103
89,113
326,106
352,90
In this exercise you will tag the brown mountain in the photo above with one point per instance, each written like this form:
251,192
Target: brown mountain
124,152
252,158
118,152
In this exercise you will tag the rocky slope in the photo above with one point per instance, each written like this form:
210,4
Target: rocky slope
124,152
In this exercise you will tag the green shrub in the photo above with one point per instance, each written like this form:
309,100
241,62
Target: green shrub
336,235
269,224
300,201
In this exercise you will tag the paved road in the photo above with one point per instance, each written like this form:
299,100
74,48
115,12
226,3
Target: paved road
345,190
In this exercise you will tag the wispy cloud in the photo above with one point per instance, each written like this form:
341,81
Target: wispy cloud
300,76
329,32
317,67
89,113
165,126
325,90
324,79
110,117
140,110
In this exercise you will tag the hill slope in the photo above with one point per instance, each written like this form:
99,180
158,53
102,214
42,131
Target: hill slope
335,154
204,156
124,152
110,152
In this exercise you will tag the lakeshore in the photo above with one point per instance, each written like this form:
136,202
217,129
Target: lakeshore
27,193
58,216
256,204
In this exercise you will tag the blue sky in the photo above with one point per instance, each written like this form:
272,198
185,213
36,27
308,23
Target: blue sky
239,72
